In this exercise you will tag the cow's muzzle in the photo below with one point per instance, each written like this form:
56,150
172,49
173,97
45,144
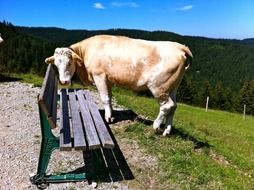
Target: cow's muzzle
64,82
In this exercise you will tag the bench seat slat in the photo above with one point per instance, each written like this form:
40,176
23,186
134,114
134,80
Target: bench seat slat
65,131
78,133
104,135
91,134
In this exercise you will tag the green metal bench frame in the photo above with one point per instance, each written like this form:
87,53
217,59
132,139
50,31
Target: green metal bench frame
50,142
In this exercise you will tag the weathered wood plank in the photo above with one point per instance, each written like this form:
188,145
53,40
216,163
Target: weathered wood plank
65,131
53,111
91,134
45,97
102,130
78,133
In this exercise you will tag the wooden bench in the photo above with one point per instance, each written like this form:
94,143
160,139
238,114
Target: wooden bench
81,127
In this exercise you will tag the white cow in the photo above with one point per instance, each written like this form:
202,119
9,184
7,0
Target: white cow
1,39
136,64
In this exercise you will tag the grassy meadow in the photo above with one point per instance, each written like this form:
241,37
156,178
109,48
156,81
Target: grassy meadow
206,150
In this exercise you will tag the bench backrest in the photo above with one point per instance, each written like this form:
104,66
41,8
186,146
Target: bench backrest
48,96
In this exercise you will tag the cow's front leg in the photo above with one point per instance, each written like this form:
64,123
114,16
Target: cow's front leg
104,89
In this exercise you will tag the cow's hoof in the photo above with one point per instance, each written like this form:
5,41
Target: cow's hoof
94,185
167,131
156,125
109,119
157,130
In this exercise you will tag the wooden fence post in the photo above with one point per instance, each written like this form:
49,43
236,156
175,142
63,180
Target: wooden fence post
207,102
244,111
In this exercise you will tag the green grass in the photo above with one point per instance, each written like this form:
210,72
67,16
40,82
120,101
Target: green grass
27,78
32,79
206,150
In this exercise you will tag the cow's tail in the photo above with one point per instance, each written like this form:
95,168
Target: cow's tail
189,57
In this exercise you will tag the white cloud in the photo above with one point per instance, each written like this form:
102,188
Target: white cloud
98,6
186,8
125,4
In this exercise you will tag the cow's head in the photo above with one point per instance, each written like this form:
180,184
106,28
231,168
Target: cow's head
66,61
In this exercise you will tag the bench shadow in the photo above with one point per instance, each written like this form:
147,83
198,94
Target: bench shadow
113,166
5,78
127,115
112,163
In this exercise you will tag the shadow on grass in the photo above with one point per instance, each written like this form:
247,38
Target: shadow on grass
123,115
185,136
127,115
6,78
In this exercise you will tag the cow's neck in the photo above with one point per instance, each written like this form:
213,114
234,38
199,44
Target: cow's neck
81,71
77,49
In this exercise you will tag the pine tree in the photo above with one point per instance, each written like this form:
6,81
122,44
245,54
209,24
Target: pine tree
206,91
221,97
246,96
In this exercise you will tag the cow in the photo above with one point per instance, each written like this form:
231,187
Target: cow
1,39
135,64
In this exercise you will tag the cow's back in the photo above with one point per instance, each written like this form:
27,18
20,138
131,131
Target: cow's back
128,62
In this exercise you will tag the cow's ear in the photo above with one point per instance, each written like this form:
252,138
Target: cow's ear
77,59
50,60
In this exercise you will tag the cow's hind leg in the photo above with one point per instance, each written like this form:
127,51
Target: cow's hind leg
170,115
104,89
166,107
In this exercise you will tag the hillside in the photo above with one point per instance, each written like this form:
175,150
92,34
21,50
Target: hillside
229,61
21,52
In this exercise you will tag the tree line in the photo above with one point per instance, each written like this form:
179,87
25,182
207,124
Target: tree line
222,69
220,97
21,53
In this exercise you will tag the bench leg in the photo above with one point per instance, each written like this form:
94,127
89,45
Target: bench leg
48,145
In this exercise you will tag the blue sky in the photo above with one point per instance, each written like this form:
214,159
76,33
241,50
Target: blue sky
209,18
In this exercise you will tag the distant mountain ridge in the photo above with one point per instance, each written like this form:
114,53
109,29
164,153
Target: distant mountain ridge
55,34
249,42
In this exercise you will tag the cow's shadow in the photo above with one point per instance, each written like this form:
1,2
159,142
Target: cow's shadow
198,143
123,115
127,115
